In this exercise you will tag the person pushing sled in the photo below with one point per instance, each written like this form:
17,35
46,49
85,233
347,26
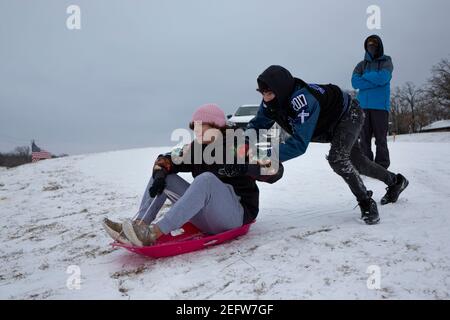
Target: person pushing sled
323,113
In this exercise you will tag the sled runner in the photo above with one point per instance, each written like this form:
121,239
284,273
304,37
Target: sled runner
191,239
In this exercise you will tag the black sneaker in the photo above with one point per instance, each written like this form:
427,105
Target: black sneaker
369,211
394,191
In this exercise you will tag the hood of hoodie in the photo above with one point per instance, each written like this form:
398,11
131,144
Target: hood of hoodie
367,56
280,81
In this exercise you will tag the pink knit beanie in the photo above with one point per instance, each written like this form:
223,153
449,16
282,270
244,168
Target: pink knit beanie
210,113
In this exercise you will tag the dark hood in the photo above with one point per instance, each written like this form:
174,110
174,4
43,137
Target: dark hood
381,50
280,81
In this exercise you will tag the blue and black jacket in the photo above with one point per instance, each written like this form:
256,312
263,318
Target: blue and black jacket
308,112
372,78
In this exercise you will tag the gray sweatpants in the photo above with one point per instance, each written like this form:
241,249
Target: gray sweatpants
208,203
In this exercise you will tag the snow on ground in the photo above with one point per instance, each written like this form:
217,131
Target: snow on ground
307,243
422,137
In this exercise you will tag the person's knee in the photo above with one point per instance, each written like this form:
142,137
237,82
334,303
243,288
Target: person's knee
338,161
335,165
334,161
205,177
337,155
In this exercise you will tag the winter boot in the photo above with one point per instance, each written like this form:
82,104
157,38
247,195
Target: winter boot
369,210
115,231
394,191
139,234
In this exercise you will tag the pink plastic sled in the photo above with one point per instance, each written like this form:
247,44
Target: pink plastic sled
191,239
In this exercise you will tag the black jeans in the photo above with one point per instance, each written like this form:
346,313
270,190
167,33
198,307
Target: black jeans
376,124
346,157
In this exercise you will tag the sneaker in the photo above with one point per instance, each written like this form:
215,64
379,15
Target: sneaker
115,231
140,234
369,211
393,192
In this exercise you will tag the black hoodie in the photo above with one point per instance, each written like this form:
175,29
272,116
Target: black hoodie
284,85
380,51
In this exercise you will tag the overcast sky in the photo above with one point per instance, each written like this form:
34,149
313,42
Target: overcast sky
138,69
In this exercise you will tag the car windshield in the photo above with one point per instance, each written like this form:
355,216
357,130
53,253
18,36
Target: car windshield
247,111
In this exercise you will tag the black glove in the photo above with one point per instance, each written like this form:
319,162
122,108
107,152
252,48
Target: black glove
233,170
159,183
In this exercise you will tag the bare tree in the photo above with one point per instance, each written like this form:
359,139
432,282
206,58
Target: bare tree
19,156
396,110
413,108
410,96
22,151
439,83
438,91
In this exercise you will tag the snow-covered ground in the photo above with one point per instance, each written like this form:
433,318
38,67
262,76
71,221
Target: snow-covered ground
307,242
421,137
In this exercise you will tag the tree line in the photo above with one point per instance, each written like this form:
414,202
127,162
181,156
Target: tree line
413,108
19,156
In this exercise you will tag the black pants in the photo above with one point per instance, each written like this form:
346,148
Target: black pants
376,124
346,157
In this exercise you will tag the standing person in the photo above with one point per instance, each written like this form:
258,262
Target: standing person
323,113
372,78
222,196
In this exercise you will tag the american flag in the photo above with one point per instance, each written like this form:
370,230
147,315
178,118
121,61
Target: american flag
38,154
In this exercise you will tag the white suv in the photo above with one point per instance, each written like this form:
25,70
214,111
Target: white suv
247,112
243,115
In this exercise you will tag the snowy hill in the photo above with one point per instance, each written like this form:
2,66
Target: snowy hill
307,242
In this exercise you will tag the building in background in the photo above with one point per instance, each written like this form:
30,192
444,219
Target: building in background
442,125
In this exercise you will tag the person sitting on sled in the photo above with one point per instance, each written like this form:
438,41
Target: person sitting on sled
323,113
223,196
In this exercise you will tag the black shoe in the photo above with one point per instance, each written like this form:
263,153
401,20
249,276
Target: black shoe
369,211
394,191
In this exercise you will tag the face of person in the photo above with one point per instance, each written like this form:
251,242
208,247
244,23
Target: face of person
268,95
205,133
372,46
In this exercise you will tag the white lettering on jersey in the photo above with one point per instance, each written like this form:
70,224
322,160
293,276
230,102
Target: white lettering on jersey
299,102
